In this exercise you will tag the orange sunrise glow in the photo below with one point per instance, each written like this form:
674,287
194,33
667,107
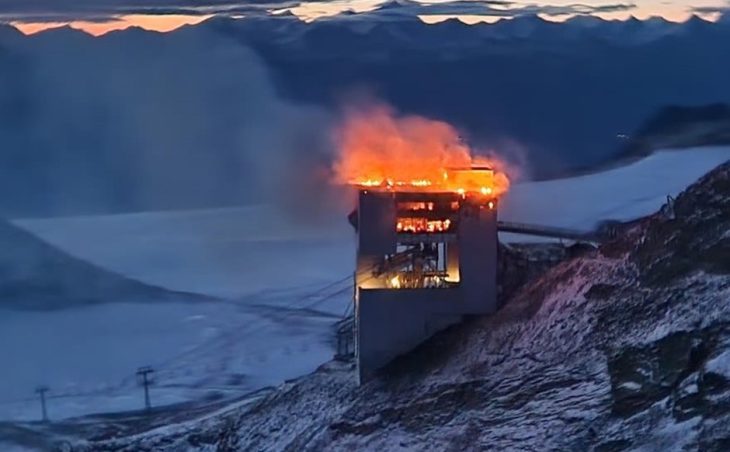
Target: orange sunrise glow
159,23
674,11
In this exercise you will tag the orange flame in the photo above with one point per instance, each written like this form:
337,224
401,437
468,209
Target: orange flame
416,225
379,150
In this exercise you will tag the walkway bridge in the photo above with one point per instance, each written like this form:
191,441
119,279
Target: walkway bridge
549,231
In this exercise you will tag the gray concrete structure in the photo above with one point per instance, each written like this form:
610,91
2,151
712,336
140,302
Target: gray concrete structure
424,261
392,322
478,244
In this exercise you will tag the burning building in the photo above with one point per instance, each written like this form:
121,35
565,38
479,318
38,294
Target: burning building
426,256
426,222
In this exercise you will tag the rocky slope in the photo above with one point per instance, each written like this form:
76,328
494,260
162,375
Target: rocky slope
624,347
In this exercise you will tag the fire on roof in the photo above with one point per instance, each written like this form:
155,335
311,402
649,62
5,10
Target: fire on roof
378,150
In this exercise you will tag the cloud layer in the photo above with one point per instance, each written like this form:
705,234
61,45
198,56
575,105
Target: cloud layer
98,10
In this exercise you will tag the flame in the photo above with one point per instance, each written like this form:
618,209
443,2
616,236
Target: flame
417,225
380,150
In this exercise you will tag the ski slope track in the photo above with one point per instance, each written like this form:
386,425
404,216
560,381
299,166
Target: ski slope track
623,348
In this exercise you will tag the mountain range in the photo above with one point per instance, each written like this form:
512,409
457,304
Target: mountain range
222,113
409,31
558,94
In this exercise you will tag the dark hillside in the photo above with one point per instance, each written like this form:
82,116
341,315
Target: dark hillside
35,275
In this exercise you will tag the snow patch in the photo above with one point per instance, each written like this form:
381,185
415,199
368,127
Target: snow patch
720,364
630,385
623,193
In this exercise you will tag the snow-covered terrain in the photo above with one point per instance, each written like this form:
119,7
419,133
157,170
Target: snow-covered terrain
276,323
285,283
221,252
88,356
621,348
622,193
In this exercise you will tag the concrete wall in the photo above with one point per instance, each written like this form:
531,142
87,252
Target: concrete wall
376,223
478,245
393,322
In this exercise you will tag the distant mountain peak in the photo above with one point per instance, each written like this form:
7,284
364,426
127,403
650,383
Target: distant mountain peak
657,19
397,4
585,19
532,17
66,30
695,19
452,21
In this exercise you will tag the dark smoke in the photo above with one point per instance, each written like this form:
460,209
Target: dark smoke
144,121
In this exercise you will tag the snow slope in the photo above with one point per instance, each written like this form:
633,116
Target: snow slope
88,355
277,323
622,193
223,252
37,276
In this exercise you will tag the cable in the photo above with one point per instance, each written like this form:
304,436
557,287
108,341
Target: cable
290,308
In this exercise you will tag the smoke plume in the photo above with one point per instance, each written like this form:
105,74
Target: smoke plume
145,121
376,145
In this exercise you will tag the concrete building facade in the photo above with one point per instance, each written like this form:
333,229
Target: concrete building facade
424,260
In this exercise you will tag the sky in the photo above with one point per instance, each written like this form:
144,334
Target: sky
98,17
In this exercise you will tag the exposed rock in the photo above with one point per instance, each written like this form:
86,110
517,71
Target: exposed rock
671,366
523,262
697,239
